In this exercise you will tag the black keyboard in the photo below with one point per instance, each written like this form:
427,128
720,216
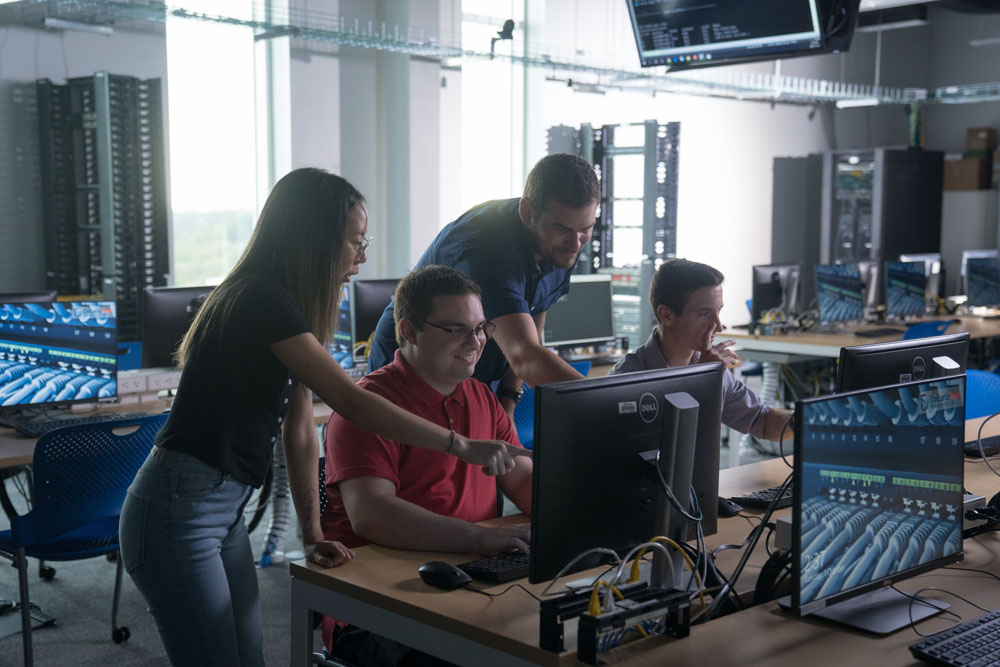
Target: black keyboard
878,333
991,446
762,499
975,642
498,569
38,429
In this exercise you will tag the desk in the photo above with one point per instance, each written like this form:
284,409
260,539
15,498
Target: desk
380,589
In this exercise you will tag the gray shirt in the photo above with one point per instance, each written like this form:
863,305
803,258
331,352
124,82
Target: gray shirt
741,409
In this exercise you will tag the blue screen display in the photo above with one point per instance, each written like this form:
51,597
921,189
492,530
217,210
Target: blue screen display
905,286
839,291
57,352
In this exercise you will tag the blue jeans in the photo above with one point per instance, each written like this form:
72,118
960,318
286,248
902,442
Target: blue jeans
185,545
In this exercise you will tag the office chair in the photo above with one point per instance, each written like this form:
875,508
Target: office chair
982,393
524,411
925,329
81,474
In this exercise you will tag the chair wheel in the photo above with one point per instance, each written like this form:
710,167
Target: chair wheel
120,635
47,573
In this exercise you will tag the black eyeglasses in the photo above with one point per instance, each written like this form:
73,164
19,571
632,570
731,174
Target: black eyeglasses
485,329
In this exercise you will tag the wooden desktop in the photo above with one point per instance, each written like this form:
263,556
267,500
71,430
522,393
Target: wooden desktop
381,590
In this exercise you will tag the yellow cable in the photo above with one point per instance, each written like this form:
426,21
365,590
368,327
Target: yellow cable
694,570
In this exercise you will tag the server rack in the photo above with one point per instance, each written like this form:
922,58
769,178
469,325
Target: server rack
633,317
104,188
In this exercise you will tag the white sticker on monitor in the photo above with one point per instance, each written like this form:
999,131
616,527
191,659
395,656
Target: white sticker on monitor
628,407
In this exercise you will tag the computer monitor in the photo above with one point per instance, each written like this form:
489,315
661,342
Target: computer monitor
982,281
167,313
583,316
905,284
682,34
879,364
878,498
29,297
56,353
775,287
342,347
934,271
369,299
590,487
966,256
840,292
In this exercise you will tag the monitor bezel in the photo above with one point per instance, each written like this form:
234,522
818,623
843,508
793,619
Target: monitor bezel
777,51
814,606
576,279
28,408
706,463
857,352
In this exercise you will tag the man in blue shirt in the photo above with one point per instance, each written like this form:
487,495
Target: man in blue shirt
521,252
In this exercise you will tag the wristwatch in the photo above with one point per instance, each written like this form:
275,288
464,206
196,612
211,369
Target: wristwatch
514,395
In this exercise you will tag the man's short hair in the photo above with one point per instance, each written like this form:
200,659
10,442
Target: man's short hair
414,298
675,281
565,178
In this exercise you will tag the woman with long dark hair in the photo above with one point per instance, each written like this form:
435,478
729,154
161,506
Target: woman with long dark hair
251,360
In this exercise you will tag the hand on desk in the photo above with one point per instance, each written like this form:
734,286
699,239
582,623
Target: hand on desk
493,540
328,553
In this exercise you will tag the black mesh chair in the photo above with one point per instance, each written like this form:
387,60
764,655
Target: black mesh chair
80,474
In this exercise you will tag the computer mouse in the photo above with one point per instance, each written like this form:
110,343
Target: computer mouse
443,575
729,508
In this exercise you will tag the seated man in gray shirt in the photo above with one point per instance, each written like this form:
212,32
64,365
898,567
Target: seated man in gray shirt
686,297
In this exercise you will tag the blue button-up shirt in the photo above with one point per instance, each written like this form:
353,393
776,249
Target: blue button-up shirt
491,245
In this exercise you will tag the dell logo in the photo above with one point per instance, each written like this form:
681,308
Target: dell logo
919,368
649,408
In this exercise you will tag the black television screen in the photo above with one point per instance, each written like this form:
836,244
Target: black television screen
57,353
905,289
879,364
369,299
583,316
878,498
588,434
682,34
167,313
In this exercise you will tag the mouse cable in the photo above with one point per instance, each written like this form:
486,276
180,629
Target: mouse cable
971,569
496,595
979,442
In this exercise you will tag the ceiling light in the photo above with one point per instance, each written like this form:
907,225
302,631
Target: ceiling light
984,41
61,24
857,102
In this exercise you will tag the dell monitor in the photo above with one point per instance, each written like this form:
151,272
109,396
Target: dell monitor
56,353
167,313
934,271
369,299
982,281
583,316
963,286
878,498
840,292
590,486
43,296
878,364
775,288
683,34
905,284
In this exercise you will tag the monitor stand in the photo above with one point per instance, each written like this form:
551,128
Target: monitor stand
880,612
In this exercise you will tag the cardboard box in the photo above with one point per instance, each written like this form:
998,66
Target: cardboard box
969,173
980,139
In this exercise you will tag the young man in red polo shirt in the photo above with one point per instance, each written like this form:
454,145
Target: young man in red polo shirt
384,492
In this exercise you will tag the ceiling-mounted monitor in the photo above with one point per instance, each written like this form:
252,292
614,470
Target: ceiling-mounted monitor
682,34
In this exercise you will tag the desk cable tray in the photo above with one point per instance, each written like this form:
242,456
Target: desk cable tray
656,610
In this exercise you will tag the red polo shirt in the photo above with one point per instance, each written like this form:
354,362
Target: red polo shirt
433,480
